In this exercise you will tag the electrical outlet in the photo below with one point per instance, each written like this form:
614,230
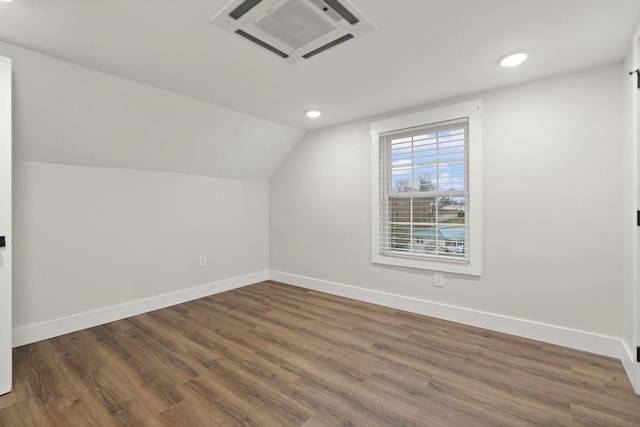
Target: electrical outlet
438,280
203,261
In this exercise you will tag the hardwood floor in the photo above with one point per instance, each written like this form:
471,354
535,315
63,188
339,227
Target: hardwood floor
277,355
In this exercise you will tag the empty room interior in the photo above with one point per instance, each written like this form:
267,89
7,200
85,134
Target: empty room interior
319,213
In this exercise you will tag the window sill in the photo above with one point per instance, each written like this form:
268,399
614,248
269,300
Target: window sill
456,266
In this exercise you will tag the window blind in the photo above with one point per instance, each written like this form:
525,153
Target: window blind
424,191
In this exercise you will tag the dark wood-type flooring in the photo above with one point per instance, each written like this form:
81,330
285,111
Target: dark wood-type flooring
277,355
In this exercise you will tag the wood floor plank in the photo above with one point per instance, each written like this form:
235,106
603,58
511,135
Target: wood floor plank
277,355
329,407
234,407
196,411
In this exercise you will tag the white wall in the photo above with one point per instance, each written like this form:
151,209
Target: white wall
552,211
87,239
120,186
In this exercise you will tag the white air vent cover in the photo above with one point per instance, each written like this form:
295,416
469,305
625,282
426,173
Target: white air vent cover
295,30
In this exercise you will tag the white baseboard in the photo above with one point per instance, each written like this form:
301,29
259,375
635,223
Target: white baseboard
53,328
631,366
566,337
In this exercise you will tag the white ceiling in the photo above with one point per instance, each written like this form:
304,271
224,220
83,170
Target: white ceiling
422,50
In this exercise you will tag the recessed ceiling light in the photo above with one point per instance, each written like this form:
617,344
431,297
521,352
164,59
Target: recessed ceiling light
314,114
513,60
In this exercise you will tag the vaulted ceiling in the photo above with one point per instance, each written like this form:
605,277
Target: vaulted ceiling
421,51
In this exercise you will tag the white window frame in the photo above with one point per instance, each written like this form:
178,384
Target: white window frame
473,111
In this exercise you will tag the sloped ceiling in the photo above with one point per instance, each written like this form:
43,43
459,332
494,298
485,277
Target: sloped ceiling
67,114
423,50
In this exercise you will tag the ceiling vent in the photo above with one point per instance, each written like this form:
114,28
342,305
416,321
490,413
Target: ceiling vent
295,30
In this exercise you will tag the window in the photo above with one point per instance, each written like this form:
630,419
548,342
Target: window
426,190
